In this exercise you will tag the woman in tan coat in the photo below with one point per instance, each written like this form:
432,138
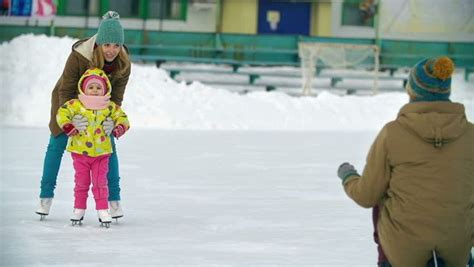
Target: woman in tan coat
105,51
420,171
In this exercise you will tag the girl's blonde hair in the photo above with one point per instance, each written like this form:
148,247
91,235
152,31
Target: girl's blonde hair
98,60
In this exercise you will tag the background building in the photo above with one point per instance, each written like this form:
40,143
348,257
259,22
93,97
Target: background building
259,32
434,20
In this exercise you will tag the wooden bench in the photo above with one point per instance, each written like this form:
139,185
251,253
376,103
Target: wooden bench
291,89
461,60
238,58
290,86
336,78
236,50
235,57
235,64
253,76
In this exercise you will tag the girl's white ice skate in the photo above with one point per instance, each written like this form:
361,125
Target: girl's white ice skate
77,216
104,218
43,207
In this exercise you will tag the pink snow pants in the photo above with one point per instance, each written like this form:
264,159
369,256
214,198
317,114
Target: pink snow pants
91,169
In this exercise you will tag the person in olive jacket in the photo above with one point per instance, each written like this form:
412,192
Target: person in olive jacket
106,51
420,173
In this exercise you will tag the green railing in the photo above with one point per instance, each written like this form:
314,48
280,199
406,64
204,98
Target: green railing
241,49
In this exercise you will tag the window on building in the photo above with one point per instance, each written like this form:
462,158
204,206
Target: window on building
358,12
166,9
78,7
126,8
150,9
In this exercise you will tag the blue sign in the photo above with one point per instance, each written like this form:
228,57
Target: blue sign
284,17
21,7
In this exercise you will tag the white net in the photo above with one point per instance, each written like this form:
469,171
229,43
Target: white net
335,55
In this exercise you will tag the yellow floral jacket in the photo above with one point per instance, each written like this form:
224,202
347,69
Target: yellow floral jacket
93,141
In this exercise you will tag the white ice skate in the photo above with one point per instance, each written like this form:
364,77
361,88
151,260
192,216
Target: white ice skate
115,210
104,218
44,207
77,216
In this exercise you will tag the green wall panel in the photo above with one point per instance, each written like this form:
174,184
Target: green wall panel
254,48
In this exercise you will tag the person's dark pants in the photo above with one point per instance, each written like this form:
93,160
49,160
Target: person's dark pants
382,259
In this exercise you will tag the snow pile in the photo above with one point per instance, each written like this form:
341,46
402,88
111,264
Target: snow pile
31,65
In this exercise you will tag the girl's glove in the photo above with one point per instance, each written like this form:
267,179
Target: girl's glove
119,130
345,170
108,126
69,129
80,122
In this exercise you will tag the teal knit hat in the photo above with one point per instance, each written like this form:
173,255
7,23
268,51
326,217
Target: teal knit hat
430,80
110,31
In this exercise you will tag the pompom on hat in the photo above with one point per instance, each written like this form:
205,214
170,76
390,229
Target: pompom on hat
110,30
430,79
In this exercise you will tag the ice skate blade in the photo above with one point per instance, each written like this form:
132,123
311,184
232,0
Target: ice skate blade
116,217
42,215
105,224
77,222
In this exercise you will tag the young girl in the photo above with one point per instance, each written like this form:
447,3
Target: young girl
91,148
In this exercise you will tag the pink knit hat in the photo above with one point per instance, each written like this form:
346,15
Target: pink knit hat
94,79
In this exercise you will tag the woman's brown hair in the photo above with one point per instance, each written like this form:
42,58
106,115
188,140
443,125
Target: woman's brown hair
122,60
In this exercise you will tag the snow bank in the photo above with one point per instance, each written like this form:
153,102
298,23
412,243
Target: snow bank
31,65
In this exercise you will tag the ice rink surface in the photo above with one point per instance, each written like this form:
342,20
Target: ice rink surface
202,198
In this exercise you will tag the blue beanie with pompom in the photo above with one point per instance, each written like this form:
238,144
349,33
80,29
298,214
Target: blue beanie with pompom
430,79
110,30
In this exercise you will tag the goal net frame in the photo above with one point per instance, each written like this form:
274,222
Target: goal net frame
311,52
